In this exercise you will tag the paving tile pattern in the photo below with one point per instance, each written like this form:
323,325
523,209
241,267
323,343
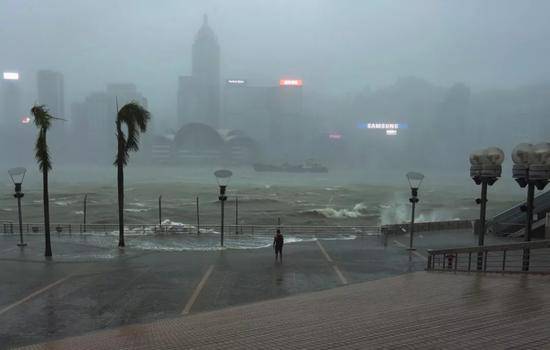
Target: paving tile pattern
415,311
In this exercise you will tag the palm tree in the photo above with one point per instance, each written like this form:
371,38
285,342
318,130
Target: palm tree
43,120
135,117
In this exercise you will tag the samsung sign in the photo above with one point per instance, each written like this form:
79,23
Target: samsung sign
386,126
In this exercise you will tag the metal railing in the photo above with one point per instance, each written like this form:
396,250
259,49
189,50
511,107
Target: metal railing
428,226
6,226
151,229
533,257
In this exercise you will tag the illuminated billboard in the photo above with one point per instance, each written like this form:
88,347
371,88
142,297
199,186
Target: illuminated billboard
290,82
384,126
236,81
391,132
11,76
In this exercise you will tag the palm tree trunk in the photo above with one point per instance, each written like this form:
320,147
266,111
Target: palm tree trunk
46,200
120,185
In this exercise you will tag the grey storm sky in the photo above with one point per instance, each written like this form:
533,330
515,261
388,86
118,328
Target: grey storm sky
336,46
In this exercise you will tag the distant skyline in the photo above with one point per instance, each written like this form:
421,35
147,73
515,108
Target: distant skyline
336,47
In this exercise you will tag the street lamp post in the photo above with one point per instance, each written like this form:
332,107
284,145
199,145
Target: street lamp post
531,169
160,213
485,169
17,175
415,179
222,177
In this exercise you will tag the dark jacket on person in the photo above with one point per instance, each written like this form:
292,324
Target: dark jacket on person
278,241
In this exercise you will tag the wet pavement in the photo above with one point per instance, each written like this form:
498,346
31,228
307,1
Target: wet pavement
420,310
90,286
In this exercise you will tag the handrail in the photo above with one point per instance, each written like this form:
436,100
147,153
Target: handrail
522,257
62,228
495,247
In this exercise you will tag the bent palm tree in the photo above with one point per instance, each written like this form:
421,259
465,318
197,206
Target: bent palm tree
43,120
135,117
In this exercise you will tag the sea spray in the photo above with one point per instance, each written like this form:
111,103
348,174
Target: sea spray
398,211
358,210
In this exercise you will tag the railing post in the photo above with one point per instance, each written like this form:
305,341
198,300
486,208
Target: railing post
429,261
504,260
456,261
485,253
529,224
236,215
469,261
198,216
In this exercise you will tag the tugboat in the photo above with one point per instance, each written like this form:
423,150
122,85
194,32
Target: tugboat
308,167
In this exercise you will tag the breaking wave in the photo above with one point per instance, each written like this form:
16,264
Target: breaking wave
358,210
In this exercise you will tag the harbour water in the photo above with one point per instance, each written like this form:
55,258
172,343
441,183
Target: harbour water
338,198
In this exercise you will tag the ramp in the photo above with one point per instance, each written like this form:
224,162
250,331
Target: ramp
512,220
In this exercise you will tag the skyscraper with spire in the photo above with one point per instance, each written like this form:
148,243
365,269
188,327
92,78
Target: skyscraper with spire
199,93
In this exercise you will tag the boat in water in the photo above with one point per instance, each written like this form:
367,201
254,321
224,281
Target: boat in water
308,167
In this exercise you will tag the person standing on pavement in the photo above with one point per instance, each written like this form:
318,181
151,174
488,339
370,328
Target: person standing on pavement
278,242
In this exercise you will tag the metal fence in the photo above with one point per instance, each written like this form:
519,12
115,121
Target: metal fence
145,229
533,256
428,226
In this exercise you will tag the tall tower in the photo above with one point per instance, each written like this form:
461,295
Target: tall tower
10,100
51,92
199,94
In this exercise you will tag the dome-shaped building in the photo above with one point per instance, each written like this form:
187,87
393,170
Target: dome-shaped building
197,142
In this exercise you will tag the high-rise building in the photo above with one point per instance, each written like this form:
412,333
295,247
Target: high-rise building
50,88
51,92
199,94
16,131
94,123
271,114
11,100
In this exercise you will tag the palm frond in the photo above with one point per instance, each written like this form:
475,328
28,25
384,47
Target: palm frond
42,120
135,117
42,117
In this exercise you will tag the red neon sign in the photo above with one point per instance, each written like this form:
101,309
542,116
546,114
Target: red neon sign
290,82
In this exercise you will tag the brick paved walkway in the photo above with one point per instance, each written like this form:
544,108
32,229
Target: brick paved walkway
417,310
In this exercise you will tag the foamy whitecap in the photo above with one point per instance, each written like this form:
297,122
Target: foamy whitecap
357,211
134,210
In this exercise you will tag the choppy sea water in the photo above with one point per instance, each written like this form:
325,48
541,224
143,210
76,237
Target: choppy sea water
336,199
